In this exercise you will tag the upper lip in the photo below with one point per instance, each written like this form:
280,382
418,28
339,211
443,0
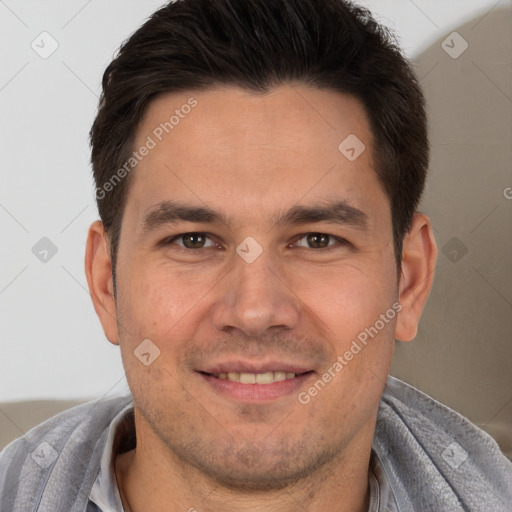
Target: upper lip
238,366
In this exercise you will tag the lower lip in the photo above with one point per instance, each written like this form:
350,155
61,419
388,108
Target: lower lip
256,392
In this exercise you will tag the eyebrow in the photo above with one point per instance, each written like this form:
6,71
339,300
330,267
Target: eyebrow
335,212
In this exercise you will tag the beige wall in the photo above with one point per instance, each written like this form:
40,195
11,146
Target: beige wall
462,355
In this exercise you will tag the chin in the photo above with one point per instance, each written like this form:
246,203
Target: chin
249,468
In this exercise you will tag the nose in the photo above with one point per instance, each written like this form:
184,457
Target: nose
254,297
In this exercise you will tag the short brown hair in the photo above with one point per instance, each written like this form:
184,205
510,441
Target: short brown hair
256,45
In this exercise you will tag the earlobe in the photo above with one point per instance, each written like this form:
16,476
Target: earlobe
98,269
419,256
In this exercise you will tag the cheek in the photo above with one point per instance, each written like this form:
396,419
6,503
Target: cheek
345,299
156,299
155,305
349,303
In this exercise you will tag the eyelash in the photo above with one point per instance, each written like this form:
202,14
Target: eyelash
341,241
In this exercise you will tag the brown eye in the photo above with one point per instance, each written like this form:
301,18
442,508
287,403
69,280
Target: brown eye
316,241
192,241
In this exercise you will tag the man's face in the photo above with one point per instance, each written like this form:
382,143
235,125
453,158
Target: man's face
212,307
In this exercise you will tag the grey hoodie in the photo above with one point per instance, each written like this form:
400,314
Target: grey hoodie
434,459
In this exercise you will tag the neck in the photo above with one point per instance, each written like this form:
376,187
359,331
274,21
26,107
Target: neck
153,480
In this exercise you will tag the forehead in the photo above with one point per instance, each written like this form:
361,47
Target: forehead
229,148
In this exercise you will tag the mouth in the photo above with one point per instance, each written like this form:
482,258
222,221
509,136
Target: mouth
269,377
261,385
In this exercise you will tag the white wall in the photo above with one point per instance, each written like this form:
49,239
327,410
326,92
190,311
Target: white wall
52,344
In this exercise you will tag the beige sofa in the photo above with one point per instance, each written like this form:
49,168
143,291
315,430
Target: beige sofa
17,418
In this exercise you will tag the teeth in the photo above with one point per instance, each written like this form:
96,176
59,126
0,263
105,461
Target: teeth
264,378
248,378
255,378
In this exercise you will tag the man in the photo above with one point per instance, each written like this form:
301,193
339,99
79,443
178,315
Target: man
258,167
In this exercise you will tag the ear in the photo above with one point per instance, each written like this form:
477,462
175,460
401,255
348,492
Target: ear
419,255
98,269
